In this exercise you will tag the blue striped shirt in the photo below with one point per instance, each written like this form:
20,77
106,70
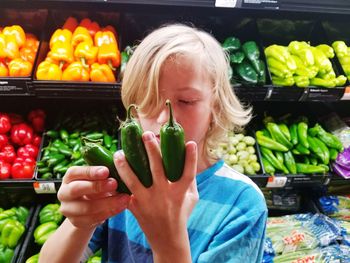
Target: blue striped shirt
226,225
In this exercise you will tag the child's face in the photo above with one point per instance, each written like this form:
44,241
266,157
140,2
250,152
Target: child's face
190,91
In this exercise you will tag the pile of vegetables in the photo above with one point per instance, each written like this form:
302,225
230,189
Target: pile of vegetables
63,143
49,220
291,147
247,67
341,165
81,52
302,65
238,151
17,51
336,206
12,228
19,143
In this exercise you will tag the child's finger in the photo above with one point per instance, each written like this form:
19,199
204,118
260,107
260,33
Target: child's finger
190,169
85,173
154,156
126,173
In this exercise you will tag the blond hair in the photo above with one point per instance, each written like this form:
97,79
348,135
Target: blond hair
141,76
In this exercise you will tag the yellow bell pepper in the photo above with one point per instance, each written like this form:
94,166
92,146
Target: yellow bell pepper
61,35
27,54
17,32
20,68
62,53
86,53
4,72
76,72
81,34
8,48
104,37
48,71
101,73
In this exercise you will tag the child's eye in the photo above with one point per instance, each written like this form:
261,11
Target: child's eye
187,102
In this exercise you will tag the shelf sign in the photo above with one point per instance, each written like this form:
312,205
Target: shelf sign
226,3
276,181
260,4
346,95
44,187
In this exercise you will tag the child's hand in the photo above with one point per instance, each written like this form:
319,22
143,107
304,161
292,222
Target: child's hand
163,209
88,196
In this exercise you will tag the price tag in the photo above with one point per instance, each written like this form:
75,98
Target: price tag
44,187
346,95
226,3
276,181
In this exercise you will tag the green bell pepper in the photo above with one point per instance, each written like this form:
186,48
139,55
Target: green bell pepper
50,212
44,231
11,233
246,72
33,259
6,254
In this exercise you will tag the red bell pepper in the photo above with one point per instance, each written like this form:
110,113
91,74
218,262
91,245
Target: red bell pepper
36,140
90,25
15,118
21,134
5,170
5,123
3,140
23,168
37,119
8,154
28,150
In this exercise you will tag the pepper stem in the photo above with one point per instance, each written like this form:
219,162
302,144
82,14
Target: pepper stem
171,117
111,65
128,113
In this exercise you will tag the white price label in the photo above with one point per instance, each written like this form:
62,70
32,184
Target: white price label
44,187
346,95
226,3
276,181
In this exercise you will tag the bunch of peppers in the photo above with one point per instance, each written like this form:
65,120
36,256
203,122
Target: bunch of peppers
12,227
17,51
343,54
81,52
291,147
63,143
246,64
19,143
302,65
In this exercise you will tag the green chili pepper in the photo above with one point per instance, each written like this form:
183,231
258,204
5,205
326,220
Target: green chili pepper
237,57
309,168
324,150
107,139
64,135
231,44
134,149
269,143
246,72
279,156
301,149
278,135
252,52
95,154
52,134
172,145
94,136
284,129
269,169
290,162
293,130
302,134
313,160
329,139
47,175
333,154
271,158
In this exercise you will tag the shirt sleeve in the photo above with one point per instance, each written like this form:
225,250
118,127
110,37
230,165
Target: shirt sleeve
241,236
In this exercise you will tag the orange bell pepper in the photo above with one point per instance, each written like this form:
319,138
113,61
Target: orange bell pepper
71,24
4,72
20,68
17,32
101,73
62,53
61,35
48,71
27,54
76,72
109,54
104,37
81,34
111,29
86,53
8,48
92,26
32,42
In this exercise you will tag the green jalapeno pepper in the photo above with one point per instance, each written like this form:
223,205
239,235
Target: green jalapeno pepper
172,146
134,149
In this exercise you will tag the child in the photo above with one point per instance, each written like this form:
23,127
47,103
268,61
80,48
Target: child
212,214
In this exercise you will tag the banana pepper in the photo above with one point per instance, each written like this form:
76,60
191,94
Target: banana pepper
17,33
76,72
86,53
101,73
48,71
20,68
